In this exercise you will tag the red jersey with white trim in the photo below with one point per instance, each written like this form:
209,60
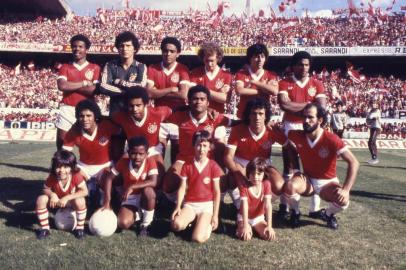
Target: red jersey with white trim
256,202
93,149
305,92
161,78
188,125
319,158
245,75
130,176
76,73
220,81
249,146
70,188
200,180
148,127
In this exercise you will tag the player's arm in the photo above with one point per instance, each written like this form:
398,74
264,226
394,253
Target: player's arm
352,170
247,230
220,97
271,87
107,184
53,197
108,84
287,105
268,215
81,192
229,159
180,197
244,91
150,181
158,93
84,87
216,203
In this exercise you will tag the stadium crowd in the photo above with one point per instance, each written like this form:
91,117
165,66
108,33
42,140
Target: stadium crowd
234,31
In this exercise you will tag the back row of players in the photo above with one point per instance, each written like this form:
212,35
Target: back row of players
149,106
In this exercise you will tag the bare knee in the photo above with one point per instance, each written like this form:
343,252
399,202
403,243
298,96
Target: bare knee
177,225
42,201
199,238
79,203
125,223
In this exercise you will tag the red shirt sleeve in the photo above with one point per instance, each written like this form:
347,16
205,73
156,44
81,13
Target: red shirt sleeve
217,172
267,187
234,136
183,74
70,139
78,179
63,71
277,136
184,171
243,191
164,112
96,74
49,182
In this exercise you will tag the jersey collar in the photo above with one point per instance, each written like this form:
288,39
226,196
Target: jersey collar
80,67
313,144
257,137
200,167
254,76
168,71
198,122
65,188
300,83
90,137
259,191
212,75
140,123
136,174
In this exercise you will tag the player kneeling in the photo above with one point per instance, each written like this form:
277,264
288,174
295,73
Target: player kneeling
140,174
199,193
256,206
64,187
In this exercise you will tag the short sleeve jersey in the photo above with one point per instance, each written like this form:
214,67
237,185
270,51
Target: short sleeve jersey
188,125
214,82
256,202
131,176
93,149
245,75
249,145
148,127
161,78
77,73
319,158
200,180
301,92
70,188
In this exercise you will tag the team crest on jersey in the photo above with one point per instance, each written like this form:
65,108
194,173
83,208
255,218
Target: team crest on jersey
103,141
266,145
219,84
311,91
133,77
89,75
152,128
209,128
247,80
290,87
206,180
323,152
243,139
175,77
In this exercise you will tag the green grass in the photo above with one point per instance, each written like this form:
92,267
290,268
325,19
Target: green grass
372,232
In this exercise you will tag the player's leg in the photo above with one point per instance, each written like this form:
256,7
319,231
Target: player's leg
126,216
260,229
330,194
64,121
277,181
183,219
43,216
240,230
148,201
161,169
202,230
374,132
79,204
171,181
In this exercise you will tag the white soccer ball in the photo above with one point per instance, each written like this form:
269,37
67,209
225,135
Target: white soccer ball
65,219
103,223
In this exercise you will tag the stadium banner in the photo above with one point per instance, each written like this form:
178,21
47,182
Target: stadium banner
33,135
382,135
340,51
382,144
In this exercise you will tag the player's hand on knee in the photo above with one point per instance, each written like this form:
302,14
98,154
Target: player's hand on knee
343,196
246,233
270,233
126,194
175,213
214,222
62,202
53,202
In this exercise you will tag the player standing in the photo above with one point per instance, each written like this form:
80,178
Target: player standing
77,81
373,121
339,120
318,150
295,92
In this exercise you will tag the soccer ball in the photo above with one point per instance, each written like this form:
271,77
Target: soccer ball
103,223
65,219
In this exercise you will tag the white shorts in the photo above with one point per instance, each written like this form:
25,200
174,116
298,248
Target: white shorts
66,117
288,126
133,200
93,170
253,221
156,150
200,207
169,130
318,184
220,134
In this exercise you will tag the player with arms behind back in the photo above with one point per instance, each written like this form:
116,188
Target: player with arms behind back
199,192
64,187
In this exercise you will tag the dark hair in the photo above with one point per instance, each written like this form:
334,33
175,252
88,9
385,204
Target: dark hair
80,37
127,36
196,89
201,135
257,163
257,49
339,103
63,158
321,112
137,92
173,41
256,103
88,104
138,141
298,56
210,49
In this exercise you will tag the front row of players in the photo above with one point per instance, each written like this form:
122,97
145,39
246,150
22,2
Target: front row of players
198,177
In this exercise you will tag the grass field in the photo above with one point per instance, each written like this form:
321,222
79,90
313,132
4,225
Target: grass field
372,233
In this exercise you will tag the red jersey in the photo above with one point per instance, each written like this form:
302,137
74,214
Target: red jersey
77,73
245,75
200,180
301,92
125,168
319,158
249,145
161,78
93,149
188,125
215,82
147,127
256,202
75,182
